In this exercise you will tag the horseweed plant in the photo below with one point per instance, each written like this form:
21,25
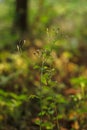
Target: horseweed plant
48,116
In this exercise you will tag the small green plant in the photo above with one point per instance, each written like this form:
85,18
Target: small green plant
48,105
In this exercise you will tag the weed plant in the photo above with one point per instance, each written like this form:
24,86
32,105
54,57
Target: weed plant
48,116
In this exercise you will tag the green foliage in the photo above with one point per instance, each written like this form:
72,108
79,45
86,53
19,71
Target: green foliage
80,83
10,104
51,103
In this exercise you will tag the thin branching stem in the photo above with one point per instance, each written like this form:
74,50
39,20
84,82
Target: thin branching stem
41,75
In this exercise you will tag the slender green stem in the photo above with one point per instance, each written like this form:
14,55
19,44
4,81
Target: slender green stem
41,75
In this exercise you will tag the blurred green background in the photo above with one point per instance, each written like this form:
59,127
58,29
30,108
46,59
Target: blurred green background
26,27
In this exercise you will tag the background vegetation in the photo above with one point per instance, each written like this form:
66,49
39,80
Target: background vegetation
43,66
